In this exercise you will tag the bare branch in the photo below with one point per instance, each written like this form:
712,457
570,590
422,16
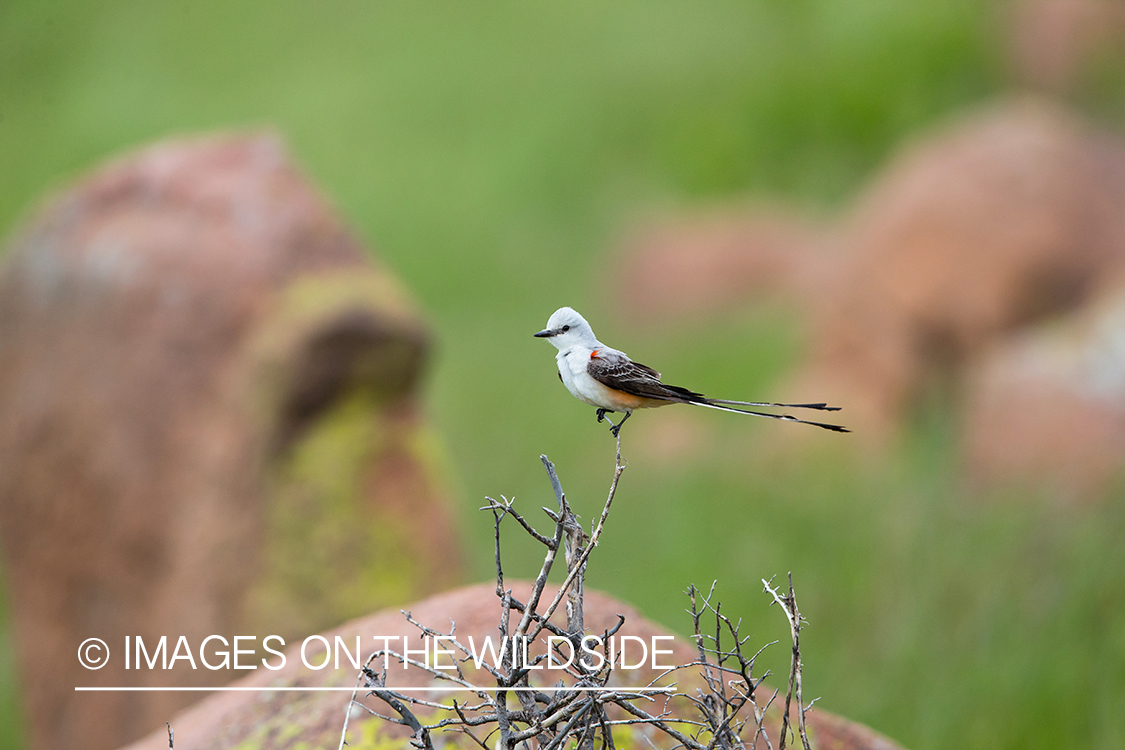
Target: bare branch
583,718
793,615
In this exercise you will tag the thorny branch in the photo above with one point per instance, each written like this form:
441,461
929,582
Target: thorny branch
583,712
793,615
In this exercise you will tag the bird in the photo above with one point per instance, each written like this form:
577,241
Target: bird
608,379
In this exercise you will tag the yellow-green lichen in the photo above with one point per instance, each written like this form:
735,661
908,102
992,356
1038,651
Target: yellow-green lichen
326,557
312,306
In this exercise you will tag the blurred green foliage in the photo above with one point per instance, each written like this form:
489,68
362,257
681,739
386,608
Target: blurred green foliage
493,152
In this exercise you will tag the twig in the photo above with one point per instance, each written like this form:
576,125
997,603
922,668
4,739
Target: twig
619,467
579,719
793,615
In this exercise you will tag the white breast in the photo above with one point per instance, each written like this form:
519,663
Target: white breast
572,368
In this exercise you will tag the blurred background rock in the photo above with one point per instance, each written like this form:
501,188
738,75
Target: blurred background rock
209,425
914,207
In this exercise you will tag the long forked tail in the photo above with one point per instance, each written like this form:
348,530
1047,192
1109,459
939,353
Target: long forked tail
722,405
820,407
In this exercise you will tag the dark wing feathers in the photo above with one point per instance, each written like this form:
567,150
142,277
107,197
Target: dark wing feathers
615,370
622,374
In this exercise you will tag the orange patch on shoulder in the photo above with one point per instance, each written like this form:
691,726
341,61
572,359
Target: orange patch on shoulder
593,354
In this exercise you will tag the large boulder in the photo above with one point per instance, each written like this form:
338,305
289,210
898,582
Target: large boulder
1053,43
1006,216
1046,408
713,263
286,720
208,425
1011,215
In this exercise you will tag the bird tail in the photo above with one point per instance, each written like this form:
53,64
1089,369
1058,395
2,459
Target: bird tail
728,406
820,407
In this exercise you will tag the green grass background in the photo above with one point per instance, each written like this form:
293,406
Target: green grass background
493,152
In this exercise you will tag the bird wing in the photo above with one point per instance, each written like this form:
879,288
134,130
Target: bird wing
615,370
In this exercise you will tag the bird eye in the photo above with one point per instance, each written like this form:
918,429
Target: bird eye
566,328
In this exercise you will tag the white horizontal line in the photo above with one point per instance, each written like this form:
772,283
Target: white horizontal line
292,689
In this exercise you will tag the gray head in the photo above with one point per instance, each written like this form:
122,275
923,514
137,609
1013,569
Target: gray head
566,328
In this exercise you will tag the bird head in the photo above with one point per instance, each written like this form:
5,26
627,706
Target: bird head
566,328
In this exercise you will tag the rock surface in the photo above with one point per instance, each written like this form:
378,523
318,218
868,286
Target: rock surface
1010,216
715,263
290,720
1052,42
207,426
1047,408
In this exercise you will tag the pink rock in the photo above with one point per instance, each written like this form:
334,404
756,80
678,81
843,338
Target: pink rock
1046,409
1052,41
716,263
207,423
283,721
1010,215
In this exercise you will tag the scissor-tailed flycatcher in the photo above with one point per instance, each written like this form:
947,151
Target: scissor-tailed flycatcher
606,378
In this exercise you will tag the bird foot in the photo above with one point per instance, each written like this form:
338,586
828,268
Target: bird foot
614,428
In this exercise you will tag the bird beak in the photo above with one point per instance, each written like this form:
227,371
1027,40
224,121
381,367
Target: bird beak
545,334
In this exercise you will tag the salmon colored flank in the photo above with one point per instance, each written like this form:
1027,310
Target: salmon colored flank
622,401
631,401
